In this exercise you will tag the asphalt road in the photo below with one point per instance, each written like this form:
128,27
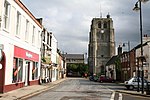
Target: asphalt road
76,89
83,89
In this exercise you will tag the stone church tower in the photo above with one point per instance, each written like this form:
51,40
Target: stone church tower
101,44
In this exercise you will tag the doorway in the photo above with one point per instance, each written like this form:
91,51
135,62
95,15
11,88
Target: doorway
27,73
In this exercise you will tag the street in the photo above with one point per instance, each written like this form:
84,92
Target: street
83,89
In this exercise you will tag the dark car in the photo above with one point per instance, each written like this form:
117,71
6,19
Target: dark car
106,79
93,78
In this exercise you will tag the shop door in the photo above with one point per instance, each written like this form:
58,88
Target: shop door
27,70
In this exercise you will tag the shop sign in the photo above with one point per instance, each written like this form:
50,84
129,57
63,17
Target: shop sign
28,55
25,54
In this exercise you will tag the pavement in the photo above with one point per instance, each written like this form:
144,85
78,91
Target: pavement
28,91
133,92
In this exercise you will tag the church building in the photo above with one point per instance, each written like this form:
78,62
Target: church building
101,44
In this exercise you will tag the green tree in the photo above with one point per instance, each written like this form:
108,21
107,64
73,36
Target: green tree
81,68
118,68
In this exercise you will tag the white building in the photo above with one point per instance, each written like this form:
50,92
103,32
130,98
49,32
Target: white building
146,55
53,58
21,42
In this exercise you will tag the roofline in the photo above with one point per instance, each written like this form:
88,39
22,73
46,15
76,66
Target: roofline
28,12
139,45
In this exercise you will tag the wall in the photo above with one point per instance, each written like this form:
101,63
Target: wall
54,49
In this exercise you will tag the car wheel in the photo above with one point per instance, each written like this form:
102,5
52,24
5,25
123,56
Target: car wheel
127,87
131,87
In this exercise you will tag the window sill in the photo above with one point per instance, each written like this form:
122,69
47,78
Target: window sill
6,30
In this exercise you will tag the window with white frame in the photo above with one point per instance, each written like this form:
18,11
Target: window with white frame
27,30
38,41
53,73
6,14
33,35
18,24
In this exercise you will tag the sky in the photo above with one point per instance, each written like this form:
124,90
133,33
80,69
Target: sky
70,20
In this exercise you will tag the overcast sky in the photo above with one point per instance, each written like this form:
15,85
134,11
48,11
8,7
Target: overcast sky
70,20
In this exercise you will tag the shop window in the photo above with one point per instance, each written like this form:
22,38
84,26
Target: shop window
17,70
35,71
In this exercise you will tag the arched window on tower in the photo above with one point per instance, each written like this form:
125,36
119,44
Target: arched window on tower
105,24
99,25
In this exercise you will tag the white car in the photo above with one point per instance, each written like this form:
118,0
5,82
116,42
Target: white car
133,83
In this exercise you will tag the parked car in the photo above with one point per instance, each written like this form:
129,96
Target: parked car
106,79
133,83
93,78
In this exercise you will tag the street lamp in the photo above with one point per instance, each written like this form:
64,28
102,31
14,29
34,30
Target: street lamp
136,8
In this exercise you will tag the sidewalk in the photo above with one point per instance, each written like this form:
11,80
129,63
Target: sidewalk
28,91
133,92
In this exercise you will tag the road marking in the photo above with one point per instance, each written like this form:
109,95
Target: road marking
120,96
112,96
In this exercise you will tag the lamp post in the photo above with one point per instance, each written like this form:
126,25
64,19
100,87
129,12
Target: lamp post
136,8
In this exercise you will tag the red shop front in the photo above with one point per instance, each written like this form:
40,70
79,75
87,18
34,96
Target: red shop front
24,63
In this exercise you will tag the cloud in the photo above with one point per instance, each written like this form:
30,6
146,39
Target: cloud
70,20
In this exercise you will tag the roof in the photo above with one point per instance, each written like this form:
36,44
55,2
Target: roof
28,12
74,56
139,45
112,60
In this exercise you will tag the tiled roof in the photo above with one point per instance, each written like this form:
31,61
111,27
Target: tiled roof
112,60
74,56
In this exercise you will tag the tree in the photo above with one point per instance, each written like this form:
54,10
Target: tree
118,68
81,68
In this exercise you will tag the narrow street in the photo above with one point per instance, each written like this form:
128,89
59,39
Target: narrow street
83,89
76,89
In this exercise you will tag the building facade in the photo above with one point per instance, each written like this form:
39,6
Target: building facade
61,63
101,44
20,42
46,48
76,60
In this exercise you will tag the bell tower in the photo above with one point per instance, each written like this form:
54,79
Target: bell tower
101,44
